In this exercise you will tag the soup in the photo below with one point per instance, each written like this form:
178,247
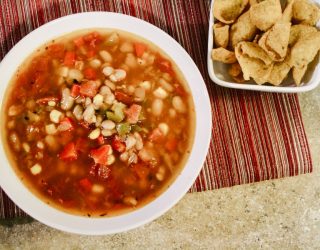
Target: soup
98,122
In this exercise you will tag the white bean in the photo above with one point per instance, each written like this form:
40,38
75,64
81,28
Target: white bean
98,189
55,116
139,141
51,142
164,128
110,84
110,160
88,114
15,141
146,85
95,63
107,132
131,61
105,55
107,124
124,156
157,106
109,99
78,112
51,129
40,145
126,47
14,110
129,200
66,100
94,134
36,169
63,71
107,71
75,74
98,100
160,174
130,142
145,155
160,93
140,94
105,90
26,147
118,75
167,86
178,104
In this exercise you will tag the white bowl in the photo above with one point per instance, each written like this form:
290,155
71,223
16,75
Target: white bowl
50,216
219,74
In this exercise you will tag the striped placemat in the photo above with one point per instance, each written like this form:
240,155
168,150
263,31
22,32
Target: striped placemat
255,136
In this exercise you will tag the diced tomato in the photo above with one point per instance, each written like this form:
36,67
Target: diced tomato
85,184
89,88
156,135
100,155
69,153
179,90
69,58
171,144
56,50
75,90
164,65
91,53
65,124
133,113
82,145
93,39
140,48
122,97
45,100
78,42
118,145
100,140
90,73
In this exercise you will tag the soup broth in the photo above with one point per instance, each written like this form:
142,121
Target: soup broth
98,122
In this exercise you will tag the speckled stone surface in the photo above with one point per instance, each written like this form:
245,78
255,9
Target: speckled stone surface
277,214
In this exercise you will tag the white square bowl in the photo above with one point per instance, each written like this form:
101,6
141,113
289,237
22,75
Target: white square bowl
218,71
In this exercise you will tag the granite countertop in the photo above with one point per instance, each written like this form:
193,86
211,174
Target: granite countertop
282,213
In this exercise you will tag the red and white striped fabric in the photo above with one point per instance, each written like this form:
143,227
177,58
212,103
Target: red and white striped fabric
255,136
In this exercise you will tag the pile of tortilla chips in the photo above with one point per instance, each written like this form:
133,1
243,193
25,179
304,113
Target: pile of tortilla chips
262,40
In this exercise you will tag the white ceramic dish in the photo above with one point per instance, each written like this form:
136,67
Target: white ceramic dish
98,226
218,71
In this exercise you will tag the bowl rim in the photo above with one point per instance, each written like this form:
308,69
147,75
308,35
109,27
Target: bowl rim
52,217
312,84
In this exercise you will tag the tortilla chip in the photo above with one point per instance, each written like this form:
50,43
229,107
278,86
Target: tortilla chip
242,30
287,13
275,41
221,35
252,67
298,31
227,11
280,71
305,50
298,74
306,12
223,55
253,50
265,14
